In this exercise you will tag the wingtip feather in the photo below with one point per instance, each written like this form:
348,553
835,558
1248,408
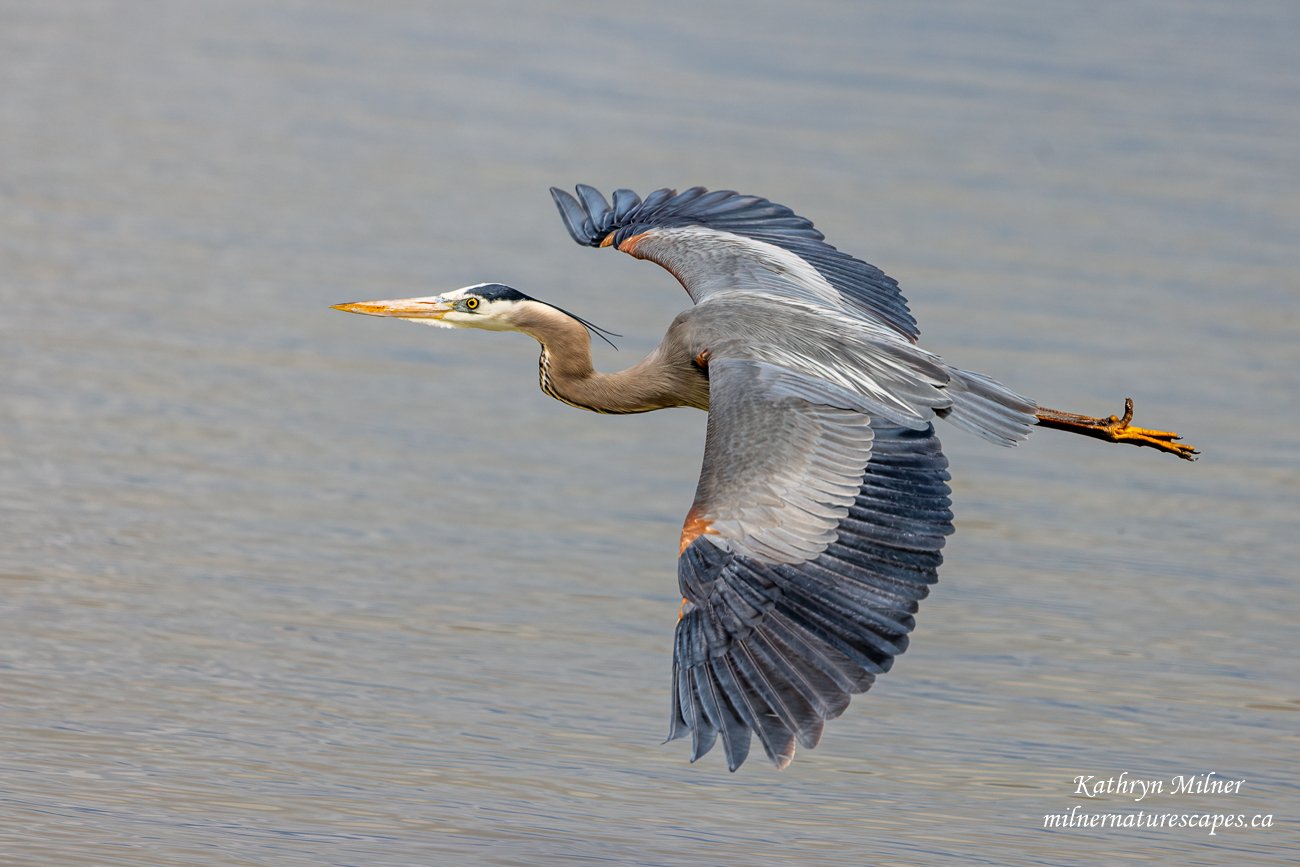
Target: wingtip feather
574,216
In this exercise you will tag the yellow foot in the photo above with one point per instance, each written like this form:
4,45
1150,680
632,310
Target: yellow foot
1117,429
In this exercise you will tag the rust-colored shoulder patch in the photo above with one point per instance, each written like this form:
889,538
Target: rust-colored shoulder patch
629,244
696,526
609,239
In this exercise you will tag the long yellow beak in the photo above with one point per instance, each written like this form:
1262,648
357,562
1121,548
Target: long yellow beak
403,308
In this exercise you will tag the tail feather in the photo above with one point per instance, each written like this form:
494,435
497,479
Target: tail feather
988,408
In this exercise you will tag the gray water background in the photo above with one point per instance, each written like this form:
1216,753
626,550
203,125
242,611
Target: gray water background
284,586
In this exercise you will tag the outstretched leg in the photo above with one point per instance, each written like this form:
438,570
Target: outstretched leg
1116,430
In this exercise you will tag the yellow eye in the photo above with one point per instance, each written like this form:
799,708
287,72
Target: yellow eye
471,303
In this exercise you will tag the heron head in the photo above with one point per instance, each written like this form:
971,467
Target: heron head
491,306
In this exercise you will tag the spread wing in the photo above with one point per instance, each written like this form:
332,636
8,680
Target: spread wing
813,536
823,501
754,245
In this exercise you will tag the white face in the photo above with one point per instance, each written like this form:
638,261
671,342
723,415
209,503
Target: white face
460,308
464,309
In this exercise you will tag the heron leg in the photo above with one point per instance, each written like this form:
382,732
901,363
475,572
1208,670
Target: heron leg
1116,429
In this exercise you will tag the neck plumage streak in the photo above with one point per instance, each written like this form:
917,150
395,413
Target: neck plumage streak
544,380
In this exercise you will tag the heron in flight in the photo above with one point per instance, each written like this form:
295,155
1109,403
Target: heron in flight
823,500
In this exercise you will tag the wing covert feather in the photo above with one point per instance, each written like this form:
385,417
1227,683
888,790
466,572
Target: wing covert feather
783,460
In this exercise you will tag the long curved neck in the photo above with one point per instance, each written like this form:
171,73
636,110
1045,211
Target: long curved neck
566,372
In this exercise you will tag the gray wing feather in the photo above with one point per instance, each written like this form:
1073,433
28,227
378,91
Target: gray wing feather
781,647
892,379
597,208
856,284
574,215
783,460
625,203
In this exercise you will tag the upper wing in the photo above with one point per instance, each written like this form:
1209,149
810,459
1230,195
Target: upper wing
719,240
813,536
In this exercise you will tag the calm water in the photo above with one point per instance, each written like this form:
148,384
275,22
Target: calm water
284,586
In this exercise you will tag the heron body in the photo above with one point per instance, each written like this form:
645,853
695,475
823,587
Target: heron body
823,498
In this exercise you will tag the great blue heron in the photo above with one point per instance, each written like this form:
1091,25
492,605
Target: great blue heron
823,499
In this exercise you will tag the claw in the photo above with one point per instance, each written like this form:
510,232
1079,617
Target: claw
1165,441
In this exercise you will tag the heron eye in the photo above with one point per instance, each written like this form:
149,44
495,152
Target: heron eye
471,303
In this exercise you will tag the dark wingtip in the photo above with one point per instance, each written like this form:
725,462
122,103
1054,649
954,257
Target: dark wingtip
625,204
598,210
574,215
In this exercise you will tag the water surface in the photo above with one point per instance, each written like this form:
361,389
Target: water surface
285,586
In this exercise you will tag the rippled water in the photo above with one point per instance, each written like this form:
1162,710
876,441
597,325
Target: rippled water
285,586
